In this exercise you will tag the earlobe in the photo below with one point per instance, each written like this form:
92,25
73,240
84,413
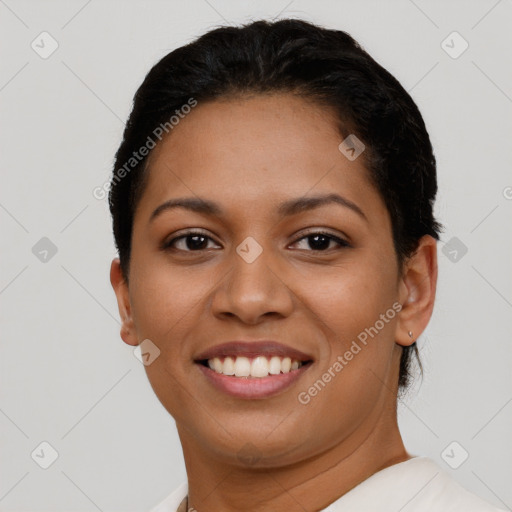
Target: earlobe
128,333
417,292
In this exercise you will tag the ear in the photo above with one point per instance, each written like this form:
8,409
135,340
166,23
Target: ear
417,291
128,333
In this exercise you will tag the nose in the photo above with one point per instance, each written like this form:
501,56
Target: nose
253,291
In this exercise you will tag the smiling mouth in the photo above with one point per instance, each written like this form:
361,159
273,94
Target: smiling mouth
253,367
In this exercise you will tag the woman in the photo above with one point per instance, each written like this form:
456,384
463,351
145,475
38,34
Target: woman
272,204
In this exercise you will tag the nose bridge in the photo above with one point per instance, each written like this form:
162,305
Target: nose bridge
252,287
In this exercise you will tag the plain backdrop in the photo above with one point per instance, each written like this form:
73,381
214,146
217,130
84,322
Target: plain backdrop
66,377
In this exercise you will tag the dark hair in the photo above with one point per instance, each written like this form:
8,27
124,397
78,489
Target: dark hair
323,65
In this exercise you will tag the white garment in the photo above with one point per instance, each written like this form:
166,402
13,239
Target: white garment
415,485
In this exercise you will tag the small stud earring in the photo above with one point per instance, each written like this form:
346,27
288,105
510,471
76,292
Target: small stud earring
410,334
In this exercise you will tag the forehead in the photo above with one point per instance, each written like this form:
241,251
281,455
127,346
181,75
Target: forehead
260,150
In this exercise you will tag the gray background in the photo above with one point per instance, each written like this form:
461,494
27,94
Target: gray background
67,378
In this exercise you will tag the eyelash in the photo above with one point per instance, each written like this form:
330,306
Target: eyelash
168,246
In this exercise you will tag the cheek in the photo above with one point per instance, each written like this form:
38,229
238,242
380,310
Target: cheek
351,297
167,308
167,301
349,381
354,307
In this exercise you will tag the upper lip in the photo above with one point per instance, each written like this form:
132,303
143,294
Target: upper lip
253,349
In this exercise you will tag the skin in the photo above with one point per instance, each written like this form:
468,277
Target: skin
249,154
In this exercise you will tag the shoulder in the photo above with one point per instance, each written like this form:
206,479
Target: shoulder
431,488
172,502
447,494
415,485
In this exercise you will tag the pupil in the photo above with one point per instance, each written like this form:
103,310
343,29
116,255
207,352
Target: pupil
195,244
319,245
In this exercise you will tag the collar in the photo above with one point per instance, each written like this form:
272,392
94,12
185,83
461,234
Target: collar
418,484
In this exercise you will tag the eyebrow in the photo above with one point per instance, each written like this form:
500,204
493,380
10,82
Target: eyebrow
286,209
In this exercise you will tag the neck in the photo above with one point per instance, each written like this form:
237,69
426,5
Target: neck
219,485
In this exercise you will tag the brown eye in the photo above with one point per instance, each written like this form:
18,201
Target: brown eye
191,241
319,241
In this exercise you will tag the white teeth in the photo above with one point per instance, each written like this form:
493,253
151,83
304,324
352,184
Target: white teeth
275,365
216,364
242,367
229,366
260,366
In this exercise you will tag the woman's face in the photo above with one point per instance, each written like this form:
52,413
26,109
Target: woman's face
256,271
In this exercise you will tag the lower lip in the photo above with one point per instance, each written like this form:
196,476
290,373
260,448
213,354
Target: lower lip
253,387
